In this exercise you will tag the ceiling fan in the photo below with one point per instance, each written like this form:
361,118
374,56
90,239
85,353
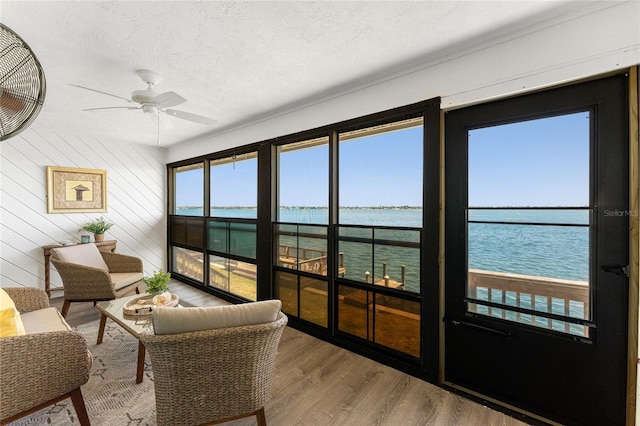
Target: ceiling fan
153,103
22,84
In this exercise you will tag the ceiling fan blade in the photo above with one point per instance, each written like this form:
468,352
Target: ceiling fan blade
168,99
104,93
191,117
96,109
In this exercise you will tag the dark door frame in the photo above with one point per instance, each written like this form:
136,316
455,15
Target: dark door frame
608,98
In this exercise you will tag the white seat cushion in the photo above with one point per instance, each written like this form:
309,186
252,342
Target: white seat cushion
44,320
47,320
82,254
123,279
183,320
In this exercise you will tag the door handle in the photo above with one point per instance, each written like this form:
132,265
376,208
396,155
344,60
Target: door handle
616,269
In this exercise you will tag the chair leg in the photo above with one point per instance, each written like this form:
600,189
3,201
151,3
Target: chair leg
65,308
262,419
81,409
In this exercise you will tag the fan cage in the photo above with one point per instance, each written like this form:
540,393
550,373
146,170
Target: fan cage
22,84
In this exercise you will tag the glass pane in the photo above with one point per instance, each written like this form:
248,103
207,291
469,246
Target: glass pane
234,186
303,181
381,174
544,251
538,258
178,231
397,324
353,312
397,259
217,238
189,190
286,288
314,301
194,233
286,237
233,276
187,231
218,273
397,267
355,257
242,279
312,249
188,263
542,162
242,239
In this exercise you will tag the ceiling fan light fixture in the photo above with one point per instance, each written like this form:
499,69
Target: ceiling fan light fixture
150,109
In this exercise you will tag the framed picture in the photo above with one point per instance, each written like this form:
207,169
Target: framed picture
71,190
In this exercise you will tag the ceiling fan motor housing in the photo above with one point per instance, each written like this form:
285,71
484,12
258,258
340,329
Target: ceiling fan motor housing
146,97
143,96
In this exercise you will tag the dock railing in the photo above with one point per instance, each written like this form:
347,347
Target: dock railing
308,260
563,297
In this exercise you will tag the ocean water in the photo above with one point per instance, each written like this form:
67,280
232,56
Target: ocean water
547,251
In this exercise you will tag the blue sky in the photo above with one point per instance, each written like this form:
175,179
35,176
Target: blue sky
542,162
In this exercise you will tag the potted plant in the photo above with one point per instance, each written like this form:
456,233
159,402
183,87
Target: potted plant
157,283
97,227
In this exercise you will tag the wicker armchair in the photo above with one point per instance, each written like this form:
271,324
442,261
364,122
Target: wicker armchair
122,275
41,368
214,376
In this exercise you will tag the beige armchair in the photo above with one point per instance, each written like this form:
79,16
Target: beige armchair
45,365
89,274
213,375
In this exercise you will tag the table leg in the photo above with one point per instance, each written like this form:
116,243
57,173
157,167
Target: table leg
141,354
103,320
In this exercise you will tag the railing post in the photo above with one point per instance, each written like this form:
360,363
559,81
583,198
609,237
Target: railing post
567,311
471,289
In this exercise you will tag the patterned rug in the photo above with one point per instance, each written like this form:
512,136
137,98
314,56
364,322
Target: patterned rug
111,394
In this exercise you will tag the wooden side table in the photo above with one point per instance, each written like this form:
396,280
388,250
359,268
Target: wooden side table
109,245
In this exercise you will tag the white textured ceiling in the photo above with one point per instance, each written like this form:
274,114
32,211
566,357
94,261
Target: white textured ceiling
239,62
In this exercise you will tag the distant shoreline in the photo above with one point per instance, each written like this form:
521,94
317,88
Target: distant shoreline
308,208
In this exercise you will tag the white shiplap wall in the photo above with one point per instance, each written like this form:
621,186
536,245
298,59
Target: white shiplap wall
136,201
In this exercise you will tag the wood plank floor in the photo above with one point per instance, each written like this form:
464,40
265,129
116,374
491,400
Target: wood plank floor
316,383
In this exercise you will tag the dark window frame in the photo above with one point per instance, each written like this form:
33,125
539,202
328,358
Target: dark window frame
267,217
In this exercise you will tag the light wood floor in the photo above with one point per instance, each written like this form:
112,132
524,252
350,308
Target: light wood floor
316,383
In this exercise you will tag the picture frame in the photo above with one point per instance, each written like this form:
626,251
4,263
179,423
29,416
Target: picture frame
74,190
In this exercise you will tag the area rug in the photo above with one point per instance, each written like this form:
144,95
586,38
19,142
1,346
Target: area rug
111,395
